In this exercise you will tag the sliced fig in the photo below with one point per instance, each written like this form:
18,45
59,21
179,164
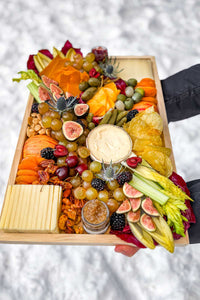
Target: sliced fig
124,207
81,110
47,81
133,217
43,94
72,130
56,91
147,223
135,203
147,206
130,192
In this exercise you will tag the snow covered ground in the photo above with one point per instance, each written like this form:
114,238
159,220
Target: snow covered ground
168,30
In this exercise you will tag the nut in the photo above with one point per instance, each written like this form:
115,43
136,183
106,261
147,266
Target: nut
30,120
30,132
34,115
37,127
35,121
48,132
42,131
39,117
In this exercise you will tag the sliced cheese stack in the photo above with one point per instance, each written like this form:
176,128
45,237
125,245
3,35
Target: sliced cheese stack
31,208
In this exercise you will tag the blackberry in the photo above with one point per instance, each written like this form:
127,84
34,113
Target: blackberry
124,177
131,114
117,221
98,184
48,153
34,108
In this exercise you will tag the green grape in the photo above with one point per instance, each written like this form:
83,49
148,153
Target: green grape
118,194
80,193
121,97
83,152
112,205
46,122
75,181
77,65
87,66
112,185
54,114
64,143
47,114
72,146
91,193
86,185
90,57
95,166
61,161
67,116
56,124
87,175
95,64
53,134
103,196
59,135
98,69
81,140
43,108
78,57
86,132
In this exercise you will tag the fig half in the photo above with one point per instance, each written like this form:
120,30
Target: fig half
147,223
72,130
147,206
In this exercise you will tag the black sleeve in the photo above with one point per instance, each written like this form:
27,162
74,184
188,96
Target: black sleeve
194,230
182,94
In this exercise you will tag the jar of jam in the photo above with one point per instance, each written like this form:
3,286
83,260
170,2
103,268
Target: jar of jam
95,217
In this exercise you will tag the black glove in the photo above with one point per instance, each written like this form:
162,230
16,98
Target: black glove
182,100
182,94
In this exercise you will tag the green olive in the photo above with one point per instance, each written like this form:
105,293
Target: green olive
132,82
121,97
91,125
137,97
129,103
94,82
140,90
88,94
83,86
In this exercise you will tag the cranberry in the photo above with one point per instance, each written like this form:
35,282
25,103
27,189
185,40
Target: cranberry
72,161
96,120
80,168
60,151
62,173
100,52
133,161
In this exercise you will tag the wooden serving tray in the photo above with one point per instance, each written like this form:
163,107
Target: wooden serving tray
133,66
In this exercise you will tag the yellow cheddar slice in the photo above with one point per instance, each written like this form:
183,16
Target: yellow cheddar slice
31,208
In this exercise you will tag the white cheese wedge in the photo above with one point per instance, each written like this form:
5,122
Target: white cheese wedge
31,208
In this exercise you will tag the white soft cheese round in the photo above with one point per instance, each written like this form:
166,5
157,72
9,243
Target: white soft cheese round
109,142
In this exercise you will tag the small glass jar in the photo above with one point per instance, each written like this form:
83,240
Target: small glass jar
100,52
95,217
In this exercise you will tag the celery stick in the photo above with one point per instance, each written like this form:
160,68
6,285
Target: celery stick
150,182
33,88
148,190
